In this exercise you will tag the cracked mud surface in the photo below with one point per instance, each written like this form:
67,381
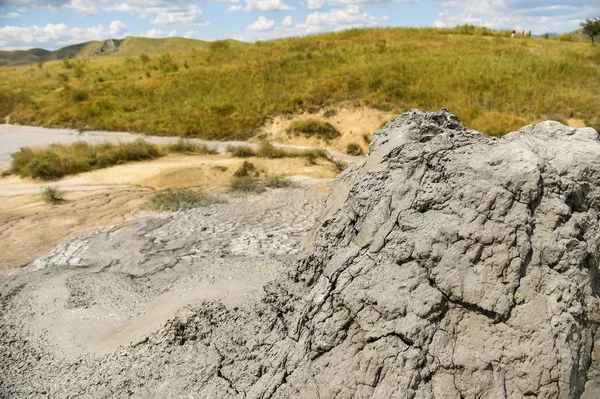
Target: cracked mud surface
450,265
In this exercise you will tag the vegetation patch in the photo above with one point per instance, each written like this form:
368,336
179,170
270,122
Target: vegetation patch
57,160
314,128
181,199
246,170
189,147
278,181
241,151
246,184
354,149
52,195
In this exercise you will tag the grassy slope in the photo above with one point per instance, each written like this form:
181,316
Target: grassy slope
493,83
130,46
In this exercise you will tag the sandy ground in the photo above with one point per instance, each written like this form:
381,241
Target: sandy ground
353,122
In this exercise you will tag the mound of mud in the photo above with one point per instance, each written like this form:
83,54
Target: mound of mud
450,264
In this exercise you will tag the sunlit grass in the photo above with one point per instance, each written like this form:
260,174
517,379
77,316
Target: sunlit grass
493,83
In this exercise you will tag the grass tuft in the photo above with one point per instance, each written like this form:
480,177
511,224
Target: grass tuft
241,151
279,181
189,147
246,170
246,184
354,149
52,195
181,199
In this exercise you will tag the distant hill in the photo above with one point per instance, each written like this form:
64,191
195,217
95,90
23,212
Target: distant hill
130,46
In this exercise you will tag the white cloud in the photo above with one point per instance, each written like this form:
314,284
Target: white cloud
233,8
173,33
540,16
261,24
266,5
338,19
314,4
334,20
117,28
187,15
84,7
287,21
55,35
11,15
155,33
189,34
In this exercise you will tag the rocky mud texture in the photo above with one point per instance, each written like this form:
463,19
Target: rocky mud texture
451,264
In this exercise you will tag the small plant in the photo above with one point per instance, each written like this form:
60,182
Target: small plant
246,184
278,181
166,64
314,128
268,150
241,151
100,79
144,58
366,138
189,147
51,195
354,149
62,78
80,95
67,65
329,113
246,170
181,199
220,168
340,166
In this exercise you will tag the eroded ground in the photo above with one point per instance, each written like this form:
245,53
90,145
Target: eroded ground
29,227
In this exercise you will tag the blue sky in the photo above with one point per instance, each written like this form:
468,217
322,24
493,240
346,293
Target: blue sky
57,23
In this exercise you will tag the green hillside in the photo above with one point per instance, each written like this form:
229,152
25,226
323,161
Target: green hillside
225,90
130,46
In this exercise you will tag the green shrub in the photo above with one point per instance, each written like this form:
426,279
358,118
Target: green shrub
329,113
181,199
366,138
246,184
189,147
144,58
220,168
241,151
277,181
354,149
51,195
314,128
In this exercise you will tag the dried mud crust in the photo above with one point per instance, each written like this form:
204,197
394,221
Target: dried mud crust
450,264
